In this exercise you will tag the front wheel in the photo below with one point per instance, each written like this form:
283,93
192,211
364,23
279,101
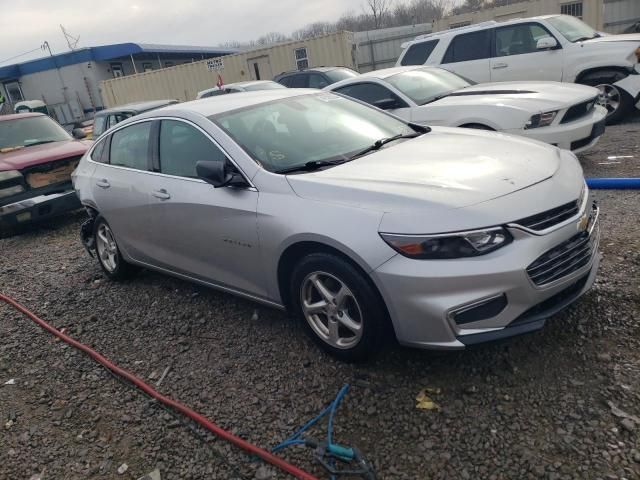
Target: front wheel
617,102
109,256
338,307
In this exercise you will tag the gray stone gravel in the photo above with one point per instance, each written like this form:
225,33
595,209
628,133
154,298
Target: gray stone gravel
537,406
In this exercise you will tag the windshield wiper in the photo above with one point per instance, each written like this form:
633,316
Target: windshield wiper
39,142
582,39
311,166
378,144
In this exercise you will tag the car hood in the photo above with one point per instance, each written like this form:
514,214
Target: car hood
534,96
38,154
626,37
446,168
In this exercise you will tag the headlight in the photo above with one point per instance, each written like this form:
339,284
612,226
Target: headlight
9,174
449,245
541,120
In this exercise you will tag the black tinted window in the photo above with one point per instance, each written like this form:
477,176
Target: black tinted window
130,146
299,81
371,93
469,46
182,146
98,152
418,53
519,39
317,81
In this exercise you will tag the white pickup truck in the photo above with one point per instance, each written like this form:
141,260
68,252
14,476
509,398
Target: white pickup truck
550,47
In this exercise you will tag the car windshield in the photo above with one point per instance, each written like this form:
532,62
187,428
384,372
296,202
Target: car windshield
572,28
427,84
293,131
27,131
264,86
339,74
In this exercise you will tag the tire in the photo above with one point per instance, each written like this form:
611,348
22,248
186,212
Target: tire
617,102
109,257
361,306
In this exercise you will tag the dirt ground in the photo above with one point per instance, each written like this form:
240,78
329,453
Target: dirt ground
561,403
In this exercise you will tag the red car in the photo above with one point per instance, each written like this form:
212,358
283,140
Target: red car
37,157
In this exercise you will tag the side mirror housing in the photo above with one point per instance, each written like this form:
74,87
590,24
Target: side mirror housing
546,43
387,104
78,133
218,174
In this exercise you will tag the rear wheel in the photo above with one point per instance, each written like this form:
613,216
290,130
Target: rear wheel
109,256
617,102
338,307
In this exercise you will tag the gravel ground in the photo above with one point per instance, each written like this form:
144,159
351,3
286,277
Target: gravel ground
547,405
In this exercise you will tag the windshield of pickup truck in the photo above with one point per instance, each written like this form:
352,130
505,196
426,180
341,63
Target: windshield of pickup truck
28,131
573,29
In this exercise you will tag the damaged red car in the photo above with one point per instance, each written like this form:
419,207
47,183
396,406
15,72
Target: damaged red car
37,157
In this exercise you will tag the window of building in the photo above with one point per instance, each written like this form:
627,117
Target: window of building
302,58
469,46
147,67
182,146
574,9
116,70
14,92
130,146
418,53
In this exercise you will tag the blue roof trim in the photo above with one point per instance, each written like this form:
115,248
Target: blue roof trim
102,53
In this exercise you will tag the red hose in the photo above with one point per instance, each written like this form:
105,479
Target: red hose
195,416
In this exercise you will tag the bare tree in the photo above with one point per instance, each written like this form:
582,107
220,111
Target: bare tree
379,10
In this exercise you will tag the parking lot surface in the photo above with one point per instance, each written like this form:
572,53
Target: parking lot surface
561,403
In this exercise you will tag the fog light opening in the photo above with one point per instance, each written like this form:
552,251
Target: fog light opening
482,310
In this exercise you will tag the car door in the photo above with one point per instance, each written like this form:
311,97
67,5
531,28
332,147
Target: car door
197,230
469,54
379,96
516,56
122,184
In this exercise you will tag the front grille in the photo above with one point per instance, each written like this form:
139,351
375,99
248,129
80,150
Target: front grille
579,110
544,220
52,173
564,259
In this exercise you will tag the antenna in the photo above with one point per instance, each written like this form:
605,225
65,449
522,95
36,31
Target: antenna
72,41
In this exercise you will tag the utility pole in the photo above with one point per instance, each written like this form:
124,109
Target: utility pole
45,46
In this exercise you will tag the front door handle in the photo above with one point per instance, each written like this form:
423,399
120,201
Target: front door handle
498,66
162,194
103,183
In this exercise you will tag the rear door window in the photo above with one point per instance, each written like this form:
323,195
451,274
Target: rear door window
469,46
418,53
98,154
130,146
300,80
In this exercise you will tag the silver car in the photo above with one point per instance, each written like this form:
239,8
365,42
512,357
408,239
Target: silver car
359,223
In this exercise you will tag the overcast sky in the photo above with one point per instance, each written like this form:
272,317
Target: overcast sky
26,24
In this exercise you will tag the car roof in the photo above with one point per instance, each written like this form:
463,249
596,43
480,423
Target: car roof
314,69
17,116
137,106
246,83
225,103
388,72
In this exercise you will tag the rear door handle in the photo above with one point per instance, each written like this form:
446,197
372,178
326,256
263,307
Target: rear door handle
103,183
162,194
497,66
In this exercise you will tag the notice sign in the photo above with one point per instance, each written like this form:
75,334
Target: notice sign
215,64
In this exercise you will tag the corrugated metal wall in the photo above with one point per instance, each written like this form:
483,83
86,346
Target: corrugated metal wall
381,48
620,14
592,13
183,82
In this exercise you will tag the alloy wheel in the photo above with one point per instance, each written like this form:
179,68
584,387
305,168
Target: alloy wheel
609,97
107,248
331,309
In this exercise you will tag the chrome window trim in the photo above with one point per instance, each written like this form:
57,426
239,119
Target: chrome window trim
252,187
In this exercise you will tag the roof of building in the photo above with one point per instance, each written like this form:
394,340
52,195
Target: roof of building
102,53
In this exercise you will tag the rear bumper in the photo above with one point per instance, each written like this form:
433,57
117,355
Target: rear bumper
37,208
577,136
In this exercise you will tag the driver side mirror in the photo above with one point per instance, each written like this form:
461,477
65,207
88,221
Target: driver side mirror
387,104
546,43
78,133
219,174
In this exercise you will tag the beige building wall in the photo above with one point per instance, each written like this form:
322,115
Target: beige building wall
592,13
183,82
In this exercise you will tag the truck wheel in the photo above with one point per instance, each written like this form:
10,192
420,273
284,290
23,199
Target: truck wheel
617,102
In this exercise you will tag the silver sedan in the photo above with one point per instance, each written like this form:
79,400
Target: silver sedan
357,222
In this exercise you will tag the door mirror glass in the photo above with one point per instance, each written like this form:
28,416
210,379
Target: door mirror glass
78,133
219,174
387,103
545,43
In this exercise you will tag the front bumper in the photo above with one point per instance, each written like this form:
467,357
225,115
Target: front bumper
577,136
631,85
422,296
37,208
